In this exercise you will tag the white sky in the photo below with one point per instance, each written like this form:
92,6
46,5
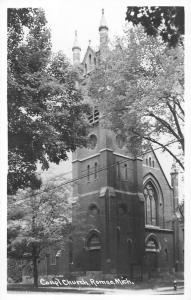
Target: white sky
84,16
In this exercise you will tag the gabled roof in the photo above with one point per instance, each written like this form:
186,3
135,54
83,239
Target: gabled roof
89,50
155,155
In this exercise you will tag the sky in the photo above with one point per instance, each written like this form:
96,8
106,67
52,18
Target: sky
84,16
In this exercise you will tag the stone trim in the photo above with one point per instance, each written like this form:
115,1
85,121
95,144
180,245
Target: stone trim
105,149
89,157
126,156
157,228
104,189
112,192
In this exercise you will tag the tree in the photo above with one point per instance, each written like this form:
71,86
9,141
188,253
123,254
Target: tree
167,21
140,88
38,220
46,113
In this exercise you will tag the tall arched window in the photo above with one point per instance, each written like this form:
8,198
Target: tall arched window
95,170
90,59
150,204
129,247
88,173
125,167
118,170
86,69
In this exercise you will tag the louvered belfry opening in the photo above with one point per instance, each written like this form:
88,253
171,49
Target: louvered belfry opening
94,117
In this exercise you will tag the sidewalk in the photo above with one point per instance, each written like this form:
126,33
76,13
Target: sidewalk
98,290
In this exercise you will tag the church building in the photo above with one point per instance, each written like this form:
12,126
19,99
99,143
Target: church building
123,206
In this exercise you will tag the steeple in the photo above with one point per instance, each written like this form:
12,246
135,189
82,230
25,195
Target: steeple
103,31
76,50
103,23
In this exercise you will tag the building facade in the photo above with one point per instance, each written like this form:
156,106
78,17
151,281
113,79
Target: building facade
123,206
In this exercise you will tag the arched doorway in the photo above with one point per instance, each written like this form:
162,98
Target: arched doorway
94,252
151,256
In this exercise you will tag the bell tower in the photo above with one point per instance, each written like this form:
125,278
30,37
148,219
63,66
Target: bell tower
76,49
108,204
103,31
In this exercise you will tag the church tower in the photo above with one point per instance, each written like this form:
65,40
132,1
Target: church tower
108,204
103,31
76,50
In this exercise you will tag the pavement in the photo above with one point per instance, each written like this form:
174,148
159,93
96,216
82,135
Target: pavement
167,290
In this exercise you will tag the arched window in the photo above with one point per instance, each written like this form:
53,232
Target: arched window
129,247
86,69
147,161
90,59
150,161
118,170
95,170
150,204
125,167
152,245
88,173
93,242
118,235
153,163
166,254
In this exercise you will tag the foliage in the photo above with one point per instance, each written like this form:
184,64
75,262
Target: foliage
140,88
37,221
167,21
14,270
46,116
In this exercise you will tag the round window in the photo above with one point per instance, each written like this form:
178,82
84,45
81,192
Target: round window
92,141
93,210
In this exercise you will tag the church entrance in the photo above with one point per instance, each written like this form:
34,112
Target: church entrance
151,258
94,260
94,253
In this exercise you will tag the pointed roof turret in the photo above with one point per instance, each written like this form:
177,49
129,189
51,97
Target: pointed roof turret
76,44
103,23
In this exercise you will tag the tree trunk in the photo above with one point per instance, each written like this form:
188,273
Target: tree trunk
35,272
35,268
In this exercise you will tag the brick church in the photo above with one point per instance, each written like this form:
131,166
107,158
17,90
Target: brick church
124,208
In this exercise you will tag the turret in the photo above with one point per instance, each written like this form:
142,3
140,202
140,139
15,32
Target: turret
76,49
103,30
174,183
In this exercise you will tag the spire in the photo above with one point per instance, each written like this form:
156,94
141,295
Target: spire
76,44
103,23
76,50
